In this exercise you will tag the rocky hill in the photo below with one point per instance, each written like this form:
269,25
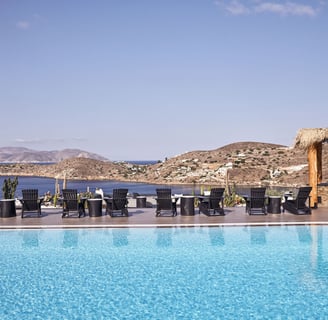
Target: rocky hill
242,163
25,155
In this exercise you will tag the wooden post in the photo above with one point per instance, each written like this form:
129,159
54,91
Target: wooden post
319,161
315,171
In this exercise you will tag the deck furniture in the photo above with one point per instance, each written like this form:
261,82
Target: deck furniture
31,202
274,204
71,203
256,201
187,205
212,205
117,205
165,203
298,205
95,207
141,201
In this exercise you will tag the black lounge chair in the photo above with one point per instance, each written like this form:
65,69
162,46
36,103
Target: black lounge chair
71,203
298,205
31,201
165,203
213,204
117,203
256,201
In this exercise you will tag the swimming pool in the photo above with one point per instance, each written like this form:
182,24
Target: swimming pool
165,273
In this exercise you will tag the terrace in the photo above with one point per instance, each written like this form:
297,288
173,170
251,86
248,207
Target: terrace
145,217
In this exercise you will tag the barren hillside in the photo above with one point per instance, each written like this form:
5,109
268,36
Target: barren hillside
244,163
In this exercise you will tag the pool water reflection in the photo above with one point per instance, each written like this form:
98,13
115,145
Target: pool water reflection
165,273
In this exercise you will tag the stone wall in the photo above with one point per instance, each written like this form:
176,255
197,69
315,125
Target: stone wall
323,193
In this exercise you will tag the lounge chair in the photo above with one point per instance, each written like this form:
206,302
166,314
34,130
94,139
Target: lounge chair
212,205
165,203
298,205
31,201
256,202
117,203
71,203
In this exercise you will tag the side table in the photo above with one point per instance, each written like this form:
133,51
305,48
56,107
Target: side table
95,207
274,205
187,205
141,202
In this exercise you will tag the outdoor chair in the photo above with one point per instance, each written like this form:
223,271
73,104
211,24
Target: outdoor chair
71,203
298,205
117,205
165,203
256,202
212,205
31,201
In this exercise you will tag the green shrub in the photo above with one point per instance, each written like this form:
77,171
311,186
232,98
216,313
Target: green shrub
9,188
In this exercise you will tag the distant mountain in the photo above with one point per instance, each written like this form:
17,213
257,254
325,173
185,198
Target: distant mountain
25,155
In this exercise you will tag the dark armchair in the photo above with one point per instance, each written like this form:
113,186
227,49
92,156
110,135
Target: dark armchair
298,205
165,203
71,203
31,201
256,202
212,205
118,203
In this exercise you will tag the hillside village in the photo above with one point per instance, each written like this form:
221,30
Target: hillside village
242,163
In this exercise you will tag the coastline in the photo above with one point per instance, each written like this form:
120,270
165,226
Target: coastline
247,164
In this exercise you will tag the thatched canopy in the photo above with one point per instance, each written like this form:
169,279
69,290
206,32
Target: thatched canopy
311,140
308,137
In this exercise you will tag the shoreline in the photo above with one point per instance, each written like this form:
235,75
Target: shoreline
154,182
240,164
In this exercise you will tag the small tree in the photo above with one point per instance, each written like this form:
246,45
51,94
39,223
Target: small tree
9,188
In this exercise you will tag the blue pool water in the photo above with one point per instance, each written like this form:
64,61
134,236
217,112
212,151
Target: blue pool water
165,273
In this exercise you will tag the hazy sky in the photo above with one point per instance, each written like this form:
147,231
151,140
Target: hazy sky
145,80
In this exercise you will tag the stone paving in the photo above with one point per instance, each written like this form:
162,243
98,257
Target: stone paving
145,217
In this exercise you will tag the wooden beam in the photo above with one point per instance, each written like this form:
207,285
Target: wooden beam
319,162
314,174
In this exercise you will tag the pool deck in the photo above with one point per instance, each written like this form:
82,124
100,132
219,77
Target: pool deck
145,217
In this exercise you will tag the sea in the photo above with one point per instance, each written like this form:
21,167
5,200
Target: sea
45,185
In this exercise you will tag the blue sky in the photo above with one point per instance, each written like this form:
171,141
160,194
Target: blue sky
145,80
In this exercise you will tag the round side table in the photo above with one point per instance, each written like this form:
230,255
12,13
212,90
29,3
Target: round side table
95,207
187,205
274,205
